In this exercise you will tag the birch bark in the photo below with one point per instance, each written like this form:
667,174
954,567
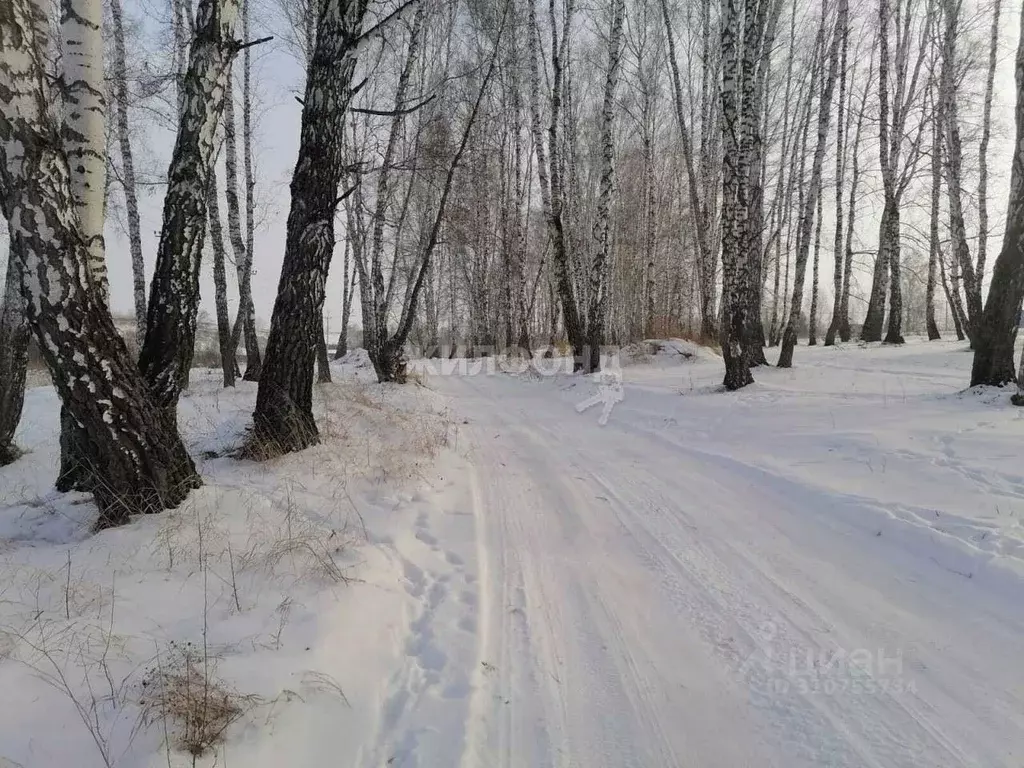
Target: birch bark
174,294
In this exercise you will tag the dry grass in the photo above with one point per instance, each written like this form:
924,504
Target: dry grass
303,550
80,662
182,693
298,524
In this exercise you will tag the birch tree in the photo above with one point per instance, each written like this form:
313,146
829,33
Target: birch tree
986,136
283,419
843,326
901,54
14,328
220,286
934,243
736,260
174,294
84,129
784,183
550,165
838,254
953,163
762,24
997,331
699,206
245,321
14,337
128,180
597,313
384,346
242,256
348,287
811,200
136,461
83,133
812,317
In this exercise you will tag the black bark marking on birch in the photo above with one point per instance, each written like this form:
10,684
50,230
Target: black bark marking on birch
167,351
14,338
283,419
997,331
134,456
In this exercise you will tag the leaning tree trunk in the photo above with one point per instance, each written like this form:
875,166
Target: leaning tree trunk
956,303
951,301
391,365
128,184
174,295
375,325
14,335
957,325
997,331
135,459
283,420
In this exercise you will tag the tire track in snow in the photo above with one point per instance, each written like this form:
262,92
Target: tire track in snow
628,582
892,729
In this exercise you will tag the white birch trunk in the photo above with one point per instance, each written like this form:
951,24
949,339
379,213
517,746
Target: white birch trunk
136,461
84,128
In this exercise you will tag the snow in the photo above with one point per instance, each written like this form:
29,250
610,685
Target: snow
289,565
666,352
824,568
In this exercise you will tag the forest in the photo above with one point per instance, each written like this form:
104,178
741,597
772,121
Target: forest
491,177
494,383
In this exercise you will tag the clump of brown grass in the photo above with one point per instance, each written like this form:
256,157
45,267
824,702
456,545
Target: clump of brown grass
182,692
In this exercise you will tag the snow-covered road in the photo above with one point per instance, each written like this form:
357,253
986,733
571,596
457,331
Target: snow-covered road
824,569
653,593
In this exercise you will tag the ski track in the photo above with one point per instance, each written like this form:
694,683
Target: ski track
626,596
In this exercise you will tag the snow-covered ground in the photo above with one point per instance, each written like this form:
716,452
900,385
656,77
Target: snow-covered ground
281,583
824,569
